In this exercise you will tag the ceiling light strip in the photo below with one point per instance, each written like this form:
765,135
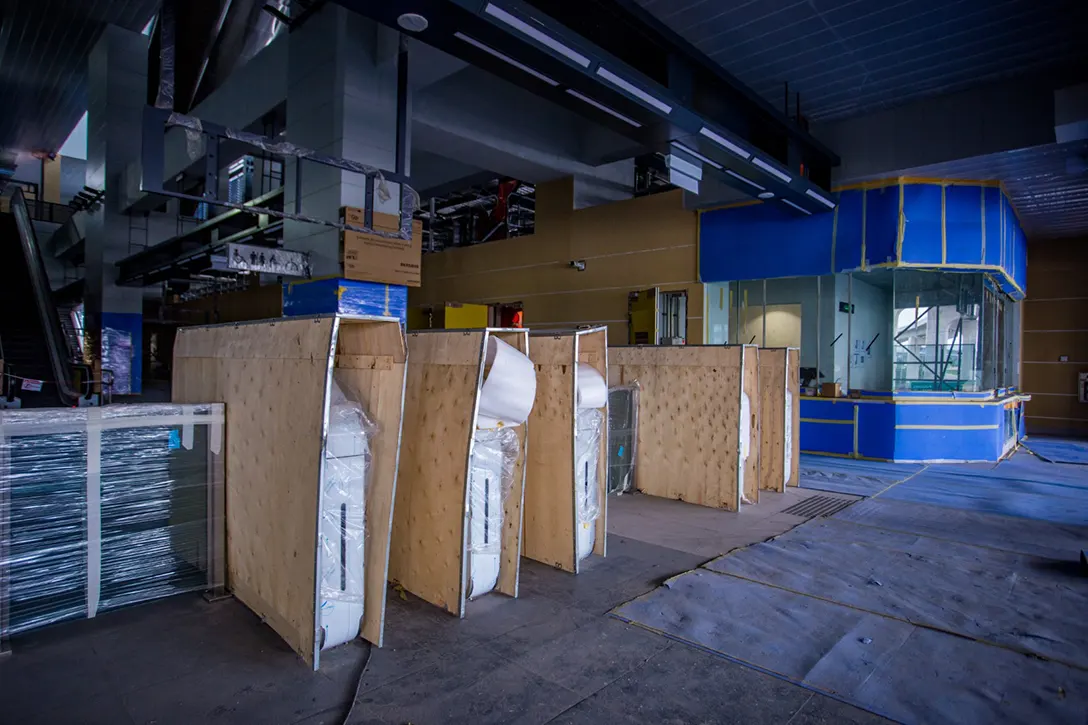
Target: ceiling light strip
798,208
634,90
745,179
503,57
826,202
771,170
543,38
724,143
695,154
606,109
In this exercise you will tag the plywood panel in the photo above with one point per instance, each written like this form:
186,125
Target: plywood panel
772,399
793,385
371,363
550,512
1051,346
429,519
271,376
1066,314
514,506
1050,377
751,387
593,350
689,402
1065,427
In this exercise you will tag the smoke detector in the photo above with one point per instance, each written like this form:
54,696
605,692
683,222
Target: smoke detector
413,22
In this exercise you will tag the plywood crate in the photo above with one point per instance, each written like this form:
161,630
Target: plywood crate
430,542
551,509
691,430
275,378
779,391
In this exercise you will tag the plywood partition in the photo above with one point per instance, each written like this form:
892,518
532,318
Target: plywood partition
773,423
551,511
514,506
274,377
430,522
689,414
750,387
793,390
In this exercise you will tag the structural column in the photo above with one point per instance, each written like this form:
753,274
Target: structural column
113,315
342,102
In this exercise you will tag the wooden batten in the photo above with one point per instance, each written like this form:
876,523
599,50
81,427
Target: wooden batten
430,536
750,386
274,377
551,511
772,403
689,411
793,388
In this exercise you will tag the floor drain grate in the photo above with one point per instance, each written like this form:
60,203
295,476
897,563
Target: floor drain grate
814,506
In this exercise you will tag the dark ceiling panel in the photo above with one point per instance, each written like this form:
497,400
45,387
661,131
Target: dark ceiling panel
847,57
44,45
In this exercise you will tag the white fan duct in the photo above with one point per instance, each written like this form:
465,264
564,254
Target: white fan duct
343,519
506,399
592,397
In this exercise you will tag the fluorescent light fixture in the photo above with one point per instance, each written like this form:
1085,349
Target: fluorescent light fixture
771,170
688,183
502,56
544,39
745,179
798,208
633,90
724,143
696,154
826,202
604,108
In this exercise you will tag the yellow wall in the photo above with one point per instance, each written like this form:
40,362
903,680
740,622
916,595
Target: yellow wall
627,246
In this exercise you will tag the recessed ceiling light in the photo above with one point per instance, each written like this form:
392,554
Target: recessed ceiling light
633,90
503,57
771,170
724,142
539,36
606,109
766,195
413,22
819,197
745,179
692,152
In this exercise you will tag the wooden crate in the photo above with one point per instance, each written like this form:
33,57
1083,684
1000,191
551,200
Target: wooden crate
274,376
429,556
689,424
551,516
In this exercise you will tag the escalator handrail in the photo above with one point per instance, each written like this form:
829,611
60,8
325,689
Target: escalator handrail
43,299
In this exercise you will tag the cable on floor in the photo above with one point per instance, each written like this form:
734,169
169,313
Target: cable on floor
358,685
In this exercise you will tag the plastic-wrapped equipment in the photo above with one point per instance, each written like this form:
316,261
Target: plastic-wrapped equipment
343,517
745,441
106,507
587,449
506,399
622,437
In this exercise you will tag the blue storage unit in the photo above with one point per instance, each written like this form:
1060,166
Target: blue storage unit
338,296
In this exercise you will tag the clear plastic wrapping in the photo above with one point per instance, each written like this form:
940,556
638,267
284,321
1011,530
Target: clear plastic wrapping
587,448
491,478
105,507
622,436
345,484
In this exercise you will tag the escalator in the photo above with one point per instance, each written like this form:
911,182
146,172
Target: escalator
32,342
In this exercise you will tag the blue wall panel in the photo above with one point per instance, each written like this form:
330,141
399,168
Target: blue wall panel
950,445
922,229
876,430
848,231
827,408
345,297
939,414
760,240
963,224
882,224
827,438
995,211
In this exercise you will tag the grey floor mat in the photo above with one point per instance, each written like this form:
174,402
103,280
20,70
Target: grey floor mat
885,665
1062,542
1004,598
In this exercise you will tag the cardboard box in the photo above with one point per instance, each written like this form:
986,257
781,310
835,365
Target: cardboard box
830,390
382,222
371,258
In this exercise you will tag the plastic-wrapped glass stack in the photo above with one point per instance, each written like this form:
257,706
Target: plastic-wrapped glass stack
491,478
587,449
622,437
105,507
343,516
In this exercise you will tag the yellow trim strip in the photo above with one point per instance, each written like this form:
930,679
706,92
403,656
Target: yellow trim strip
827,420
933,181
834,235
944,225
946,427
902,228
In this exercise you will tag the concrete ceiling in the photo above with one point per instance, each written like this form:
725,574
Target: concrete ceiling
848,57
44,45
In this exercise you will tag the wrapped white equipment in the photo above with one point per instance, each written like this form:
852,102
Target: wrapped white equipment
343,518
506,399
592,395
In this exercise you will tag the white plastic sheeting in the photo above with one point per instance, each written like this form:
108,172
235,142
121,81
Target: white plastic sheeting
745,441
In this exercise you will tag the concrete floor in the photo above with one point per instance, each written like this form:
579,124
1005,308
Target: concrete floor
552,656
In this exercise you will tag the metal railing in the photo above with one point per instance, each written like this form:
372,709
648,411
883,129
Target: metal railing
47,211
